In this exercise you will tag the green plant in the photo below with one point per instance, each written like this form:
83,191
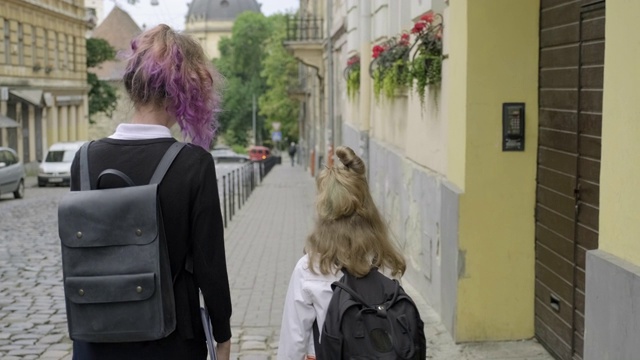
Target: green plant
352,75
427,60
377,83
390,66
398,76
102,95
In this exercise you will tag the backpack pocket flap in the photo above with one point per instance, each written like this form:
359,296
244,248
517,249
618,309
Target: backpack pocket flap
119,216
109,289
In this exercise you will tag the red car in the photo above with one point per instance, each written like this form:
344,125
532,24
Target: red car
258,153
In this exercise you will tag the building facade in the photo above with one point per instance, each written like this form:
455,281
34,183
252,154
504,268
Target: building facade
508,186
208,21
43,86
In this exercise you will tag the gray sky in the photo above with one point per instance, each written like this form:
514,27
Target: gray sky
172,12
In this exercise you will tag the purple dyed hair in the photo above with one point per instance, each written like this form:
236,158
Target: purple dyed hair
169,69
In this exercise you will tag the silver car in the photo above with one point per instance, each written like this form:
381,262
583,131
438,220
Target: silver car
11,173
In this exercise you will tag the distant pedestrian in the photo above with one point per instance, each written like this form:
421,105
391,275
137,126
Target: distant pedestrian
169,80
349,234
292,152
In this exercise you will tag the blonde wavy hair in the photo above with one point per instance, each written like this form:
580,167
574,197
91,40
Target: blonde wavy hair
349,231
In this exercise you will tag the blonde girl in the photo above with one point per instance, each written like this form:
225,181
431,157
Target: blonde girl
349,233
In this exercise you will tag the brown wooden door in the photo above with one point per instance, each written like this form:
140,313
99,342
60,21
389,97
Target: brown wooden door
571,77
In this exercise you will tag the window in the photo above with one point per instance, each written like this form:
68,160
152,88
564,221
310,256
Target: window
65,43
34,45
72,50
20,44
8,158
7,42
45,46
56,50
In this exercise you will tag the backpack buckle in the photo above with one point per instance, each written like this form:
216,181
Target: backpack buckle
381,311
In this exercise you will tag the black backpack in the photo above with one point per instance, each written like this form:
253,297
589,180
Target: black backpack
370,318
115,263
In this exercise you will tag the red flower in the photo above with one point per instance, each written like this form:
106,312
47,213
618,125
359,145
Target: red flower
353,60
418,27
428,17
404,39
377,50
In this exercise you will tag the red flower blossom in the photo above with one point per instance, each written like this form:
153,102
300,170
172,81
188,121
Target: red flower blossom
377,50
418,27
353,60
404,39
428,17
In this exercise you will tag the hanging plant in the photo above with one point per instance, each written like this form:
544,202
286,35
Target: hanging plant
352,75
390,68
427,59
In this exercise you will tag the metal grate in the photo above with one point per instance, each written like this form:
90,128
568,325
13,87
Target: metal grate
306,28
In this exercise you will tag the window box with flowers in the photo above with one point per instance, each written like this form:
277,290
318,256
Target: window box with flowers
427,59
352,75
390,68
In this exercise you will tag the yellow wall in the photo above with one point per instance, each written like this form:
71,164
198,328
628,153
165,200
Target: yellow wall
496,291
620,169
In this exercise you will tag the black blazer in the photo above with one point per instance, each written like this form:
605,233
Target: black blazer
192,222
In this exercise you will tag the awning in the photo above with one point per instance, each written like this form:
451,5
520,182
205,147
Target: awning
7,122
32,96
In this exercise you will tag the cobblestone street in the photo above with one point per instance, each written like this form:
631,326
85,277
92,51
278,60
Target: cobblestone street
263,242
32,315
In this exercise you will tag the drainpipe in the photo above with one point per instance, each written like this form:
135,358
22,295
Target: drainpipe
364,7
330,85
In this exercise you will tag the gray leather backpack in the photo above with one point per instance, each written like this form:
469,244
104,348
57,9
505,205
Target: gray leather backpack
117,280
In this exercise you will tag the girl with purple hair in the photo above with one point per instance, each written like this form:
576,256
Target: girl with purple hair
170,80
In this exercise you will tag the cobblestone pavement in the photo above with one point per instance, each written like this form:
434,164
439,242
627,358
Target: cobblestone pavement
263,242
32,315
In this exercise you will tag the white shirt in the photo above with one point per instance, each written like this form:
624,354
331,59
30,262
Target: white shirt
127,131
307,299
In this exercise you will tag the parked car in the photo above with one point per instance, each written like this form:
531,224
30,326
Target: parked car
11,173
226,155
259,153
56,167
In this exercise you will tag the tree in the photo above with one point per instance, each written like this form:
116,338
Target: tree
102,96
241,63
280,71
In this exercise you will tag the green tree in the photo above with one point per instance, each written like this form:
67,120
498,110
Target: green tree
102,96
241,63
280,71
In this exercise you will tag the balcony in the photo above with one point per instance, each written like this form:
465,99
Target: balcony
305,40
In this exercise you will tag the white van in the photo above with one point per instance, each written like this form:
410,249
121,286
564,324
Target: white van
56,167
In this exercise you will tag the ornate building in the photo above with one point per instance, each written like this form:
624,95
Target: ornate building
210,20
43,75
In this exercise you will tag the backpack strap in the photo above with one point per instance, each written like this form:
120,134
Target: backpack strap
117,173
350,291
85,183
166,162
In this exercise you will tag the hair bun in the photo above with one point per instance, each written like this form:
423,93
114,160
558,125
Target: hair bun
350,160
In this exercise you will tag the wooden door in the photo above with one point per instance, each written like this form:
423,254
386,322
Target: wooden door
571,78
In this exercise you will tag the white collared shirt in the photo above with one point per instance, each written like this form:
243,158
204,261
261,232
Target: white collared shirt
140,132
307,299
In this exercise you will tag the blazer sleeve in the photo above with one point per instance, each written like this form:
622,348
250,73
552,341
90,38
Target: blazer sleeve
209,260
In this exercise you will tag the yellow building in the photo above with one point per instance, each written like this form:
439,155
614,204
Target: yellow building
510,190
208,21
43,86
